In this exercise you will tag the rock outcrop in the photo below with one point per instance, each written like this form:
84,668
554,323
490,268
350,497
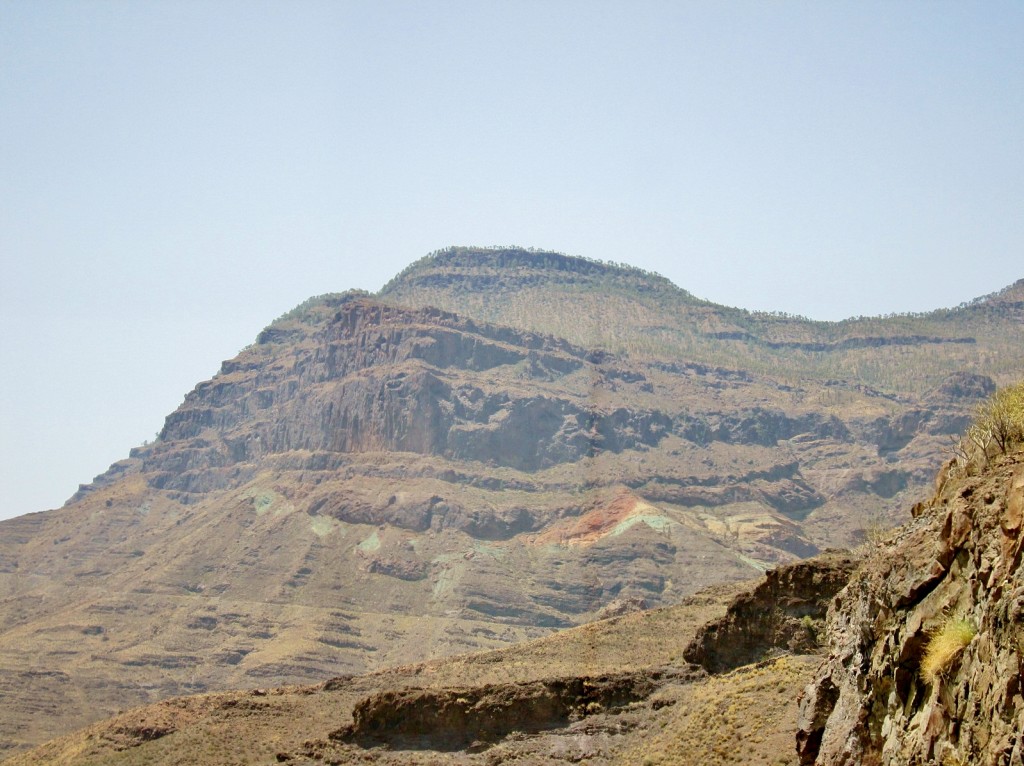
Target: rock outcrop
927,641
460,717
784,614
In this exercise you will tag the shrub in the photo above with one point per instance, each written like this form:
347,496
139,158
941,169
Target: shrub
998,425
943,645
1003,416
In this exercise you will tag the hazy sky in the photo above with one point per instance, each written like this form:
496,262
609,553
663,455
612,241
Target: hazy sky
175,175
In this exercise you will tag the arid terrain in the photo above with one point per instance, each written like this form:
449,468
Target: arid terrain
500,445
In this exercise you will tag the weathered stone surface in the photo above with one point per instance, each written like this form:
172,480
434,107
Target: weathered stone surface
871,703
783,614
454,718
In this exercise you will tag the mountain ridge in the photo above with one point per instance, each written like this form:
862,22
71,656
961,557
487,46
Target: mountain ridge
663,319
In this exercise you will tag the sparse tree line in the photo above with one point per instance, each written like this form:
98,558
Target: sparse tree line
511,249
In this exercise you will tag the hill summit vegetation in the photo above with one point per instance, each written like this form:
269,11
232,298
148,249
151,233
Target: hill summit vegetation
628,310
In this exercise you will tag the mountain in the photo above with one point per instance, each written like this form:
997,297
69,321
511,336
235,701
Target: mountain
501,444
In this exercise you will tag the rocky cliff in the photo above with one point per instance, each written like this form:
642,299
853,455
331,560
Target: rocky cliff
782,615
927,641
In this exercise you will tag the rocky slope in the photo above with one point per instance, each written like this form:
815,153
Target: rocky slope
782,615
927,641
924,664
377,481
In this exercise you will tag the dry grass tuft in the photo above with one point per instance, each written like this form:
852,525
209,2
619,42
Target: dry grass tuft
943,645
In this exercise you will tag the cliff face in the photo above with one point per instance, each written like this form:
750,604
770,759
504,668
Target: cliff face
382,379
927,641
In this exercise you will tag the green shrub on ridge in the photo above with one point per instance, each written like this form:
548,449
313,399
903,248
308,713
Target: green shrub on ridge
998,427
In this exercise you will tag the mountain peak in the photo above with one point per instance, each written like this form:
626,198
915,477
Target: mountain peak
511,267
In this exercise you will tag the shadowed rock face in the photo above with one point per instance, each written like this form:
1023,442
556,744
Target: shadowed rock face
374,483
782,615
456,718
378,378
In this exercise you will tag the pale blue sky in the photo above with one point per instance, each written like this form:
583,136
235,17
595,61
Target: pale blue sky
174,175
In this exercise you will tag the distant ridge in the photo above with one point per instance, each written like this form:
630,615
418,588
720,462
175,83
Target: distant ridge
511,258
627,310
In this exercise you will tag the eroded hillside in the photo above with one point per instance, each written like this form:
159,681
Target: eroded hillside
617,691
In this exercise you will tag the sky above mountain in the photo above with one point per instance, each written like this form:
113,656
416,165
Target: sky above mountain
174,175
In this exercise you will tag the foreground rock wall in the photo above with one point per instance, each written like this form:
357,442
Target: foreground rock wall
876,700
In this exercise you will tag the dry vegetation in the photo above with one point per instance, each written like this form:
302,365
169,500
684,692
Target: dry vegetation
744,717
998,427
944,644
